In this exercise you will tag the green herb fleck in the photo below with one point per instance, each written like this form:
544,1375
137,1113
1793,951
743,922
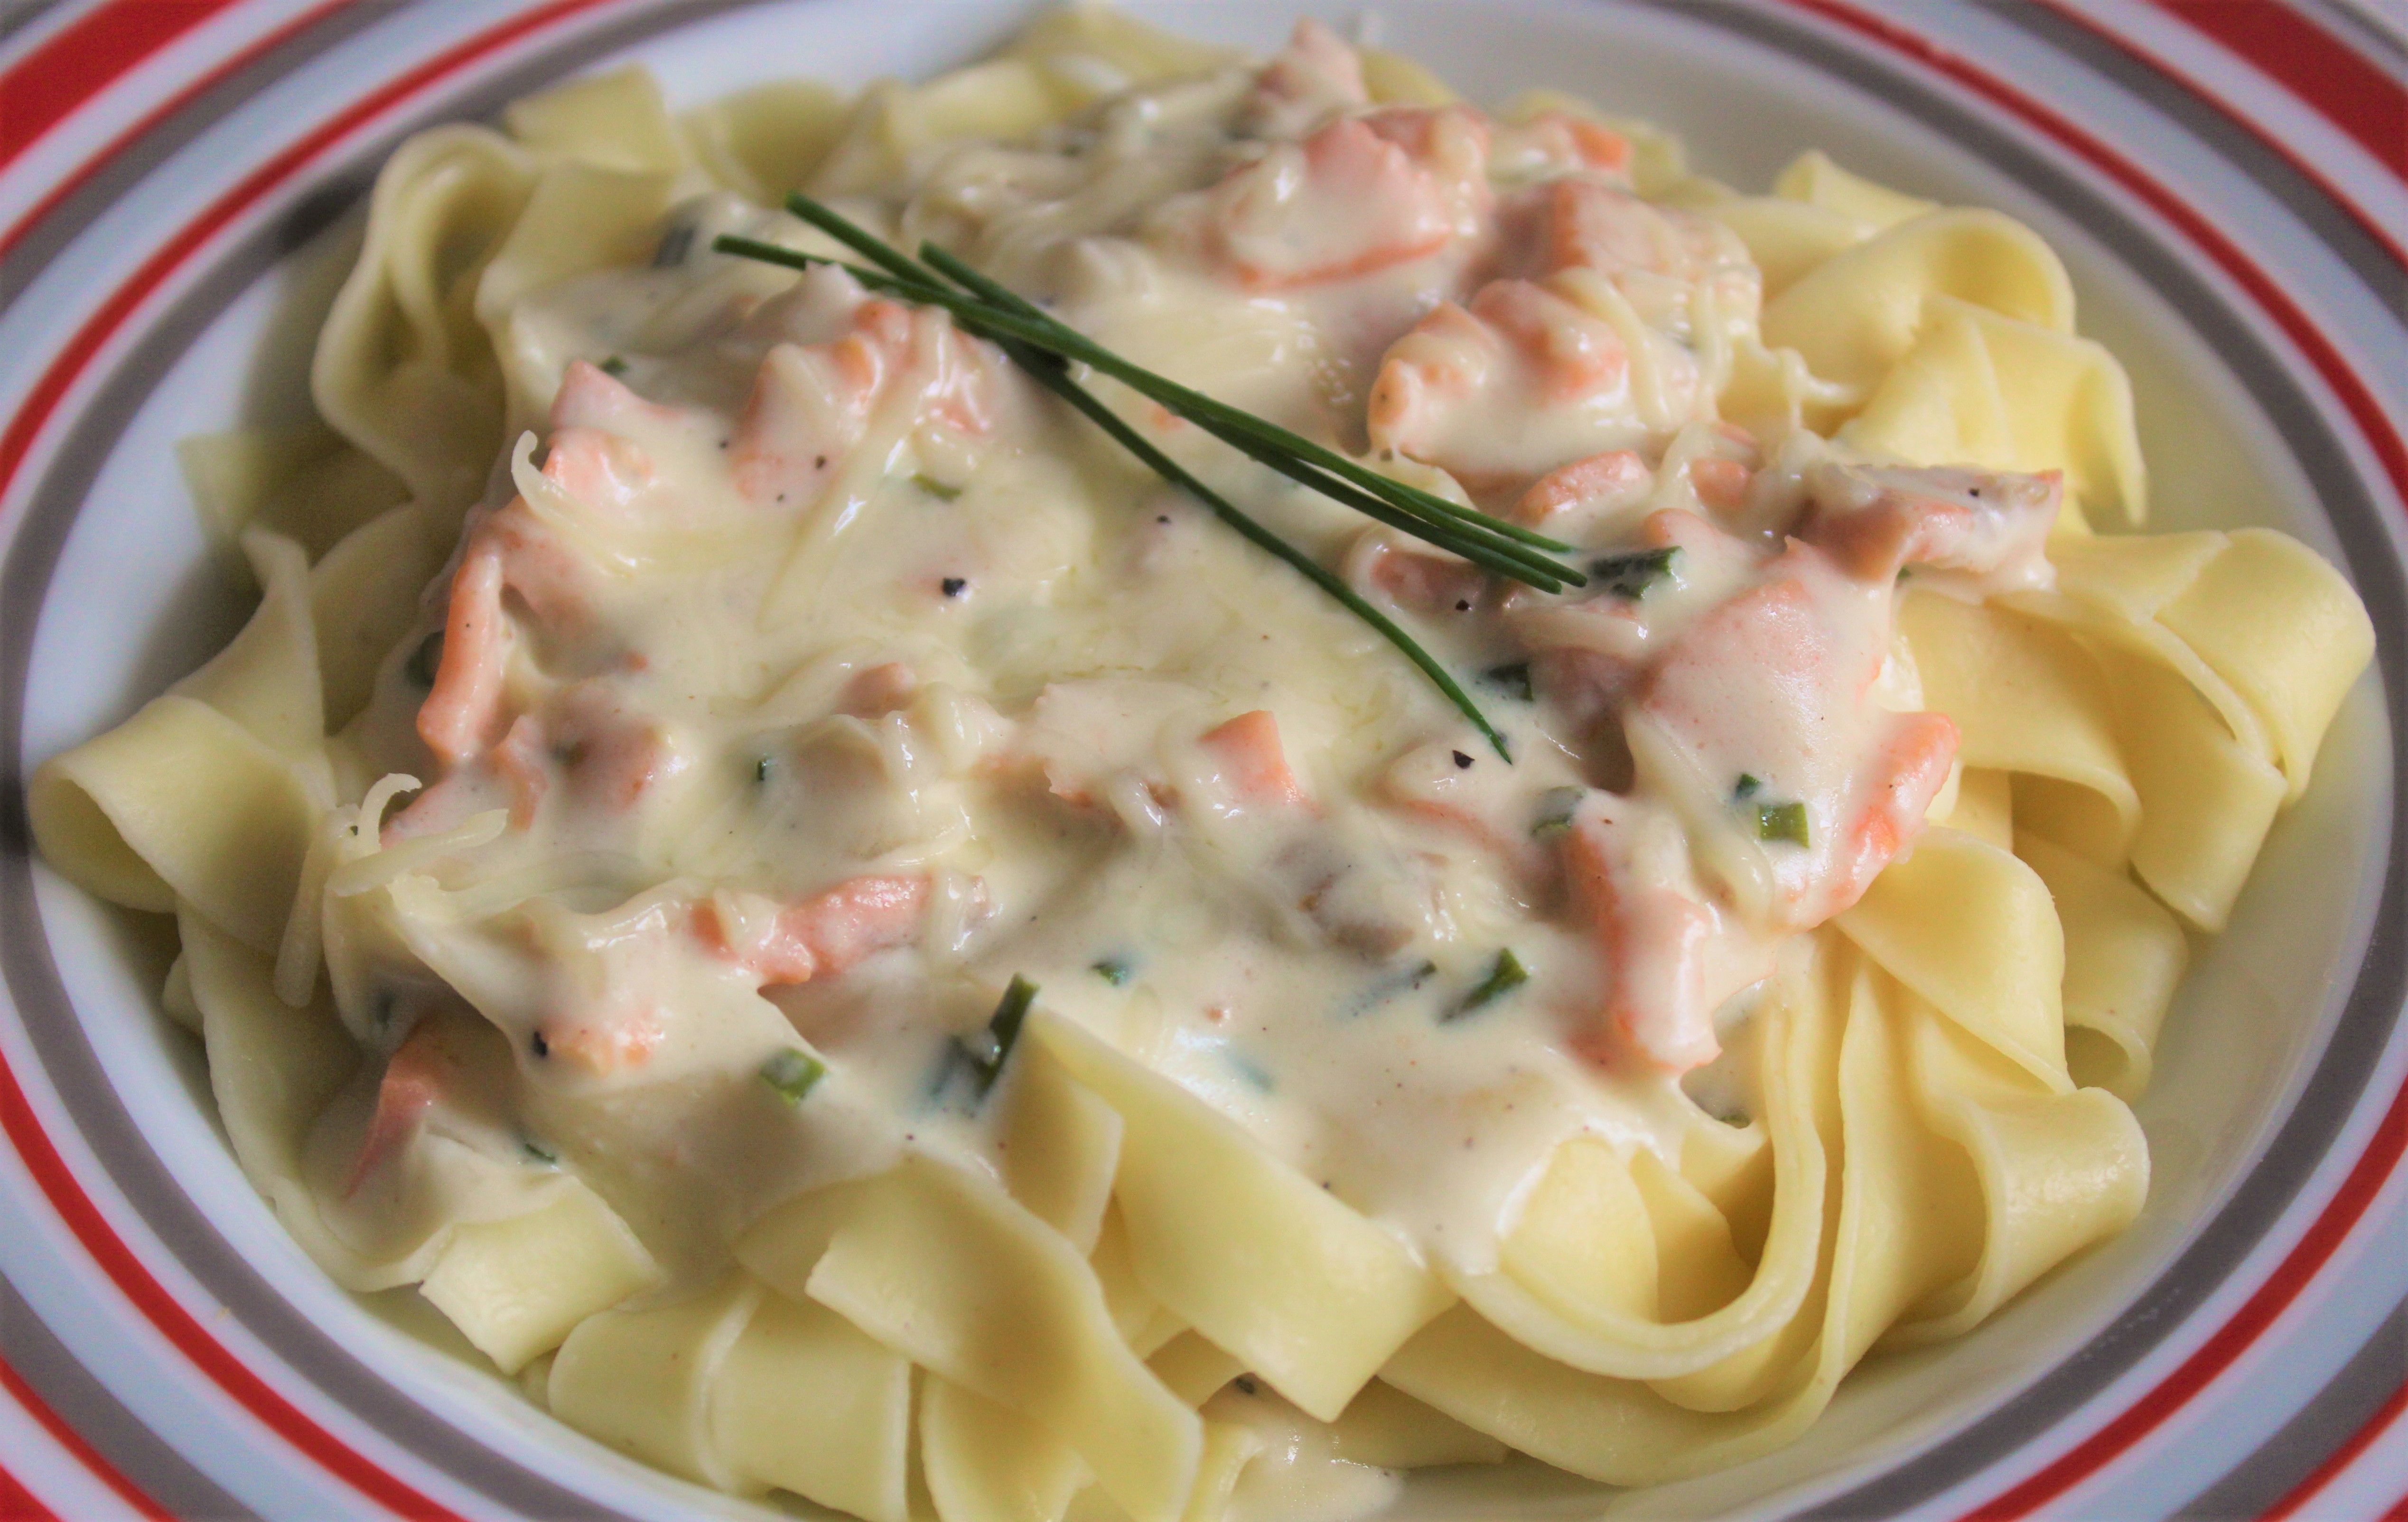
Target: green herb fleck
674,246
1514,679
1630,577
614,366
984,1053
1748,786
1257,1077
792,1072
425,660
1011,1014
1557,806
538,1153
1113,970
1781,822
1503,978
1389,987
761,769
935,488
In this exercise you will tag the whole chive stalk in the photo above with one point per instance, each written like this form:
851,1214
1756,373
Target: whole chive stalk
1504,976
1205,411
792,1072
996,311
1025,343
1491,543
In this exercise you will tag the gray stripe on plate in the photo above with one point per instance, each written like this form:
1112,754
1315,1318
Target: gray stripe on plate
2316,207
2366,26
121,1437
20,14
68,1059
2251,1487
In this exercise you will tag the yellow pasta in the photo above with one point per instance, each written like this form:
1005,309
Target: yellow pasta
856,941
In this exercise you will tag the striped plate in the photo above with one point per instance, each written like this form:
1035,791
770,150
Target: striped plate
2229,182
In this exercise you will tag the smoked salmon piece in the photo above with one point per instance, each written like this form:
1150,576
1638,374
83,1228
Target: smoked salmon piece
1502,390
417,1074
1316,74
1247,750
1875,519
1657,935
463,712
1346,201
812,403
825,934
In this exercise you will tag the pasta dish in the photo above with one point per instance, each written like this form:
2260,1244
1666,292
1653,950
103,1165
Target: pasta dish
1211,778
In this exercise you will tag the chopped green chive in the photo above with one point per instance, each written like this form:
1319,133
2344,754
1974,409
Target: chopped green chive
1257,1077
1781,822
1514,679
935,488
538,1153
1557,806
1748,786
1011,1014
674,246
792,1072
984,1053
425,660
614,366
1391,986
1630,577
1503,978
761,769
1112,969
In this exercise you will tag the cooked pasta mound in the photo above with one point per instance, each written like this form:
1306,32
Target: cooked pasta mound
691,701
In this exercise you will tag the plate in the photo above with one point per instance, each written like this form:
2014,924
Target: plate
2225,184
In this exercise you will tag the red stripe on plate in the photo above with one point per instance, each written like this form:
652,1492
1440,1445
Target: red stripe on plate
58,1182
83,58
73,178
2341,1458
18,1504
73,1442
2329,76
2306,168
2385,1148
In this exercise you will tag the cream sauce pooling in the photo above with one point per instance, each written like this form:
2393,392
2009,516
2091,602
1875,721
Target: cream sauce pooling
822,677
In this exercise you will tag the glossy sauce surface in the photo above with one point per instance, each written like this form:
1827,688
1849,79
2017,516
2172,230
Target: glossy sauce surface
813,675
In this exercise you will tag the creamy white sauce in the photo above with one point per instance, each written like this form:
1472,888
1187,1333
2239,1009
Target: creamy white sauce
820,593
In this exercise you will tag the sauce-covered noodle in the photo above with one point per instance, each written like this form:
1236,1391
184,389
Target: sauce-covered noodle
630,941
